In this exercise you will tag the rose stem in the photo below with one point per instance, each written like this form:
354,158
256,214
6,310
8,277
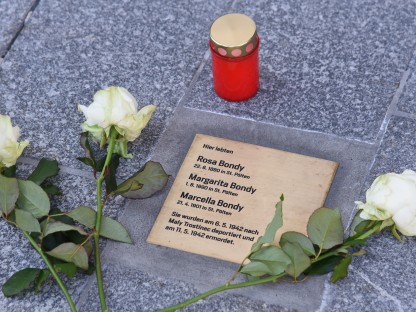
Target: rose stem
100,205
223,288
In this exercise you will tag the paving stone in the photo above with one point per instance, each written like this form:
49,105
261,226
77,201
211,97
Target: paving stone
397,151
16,253
407,102
132,290
139,216
69,50
12,16
389,264
355,294
327,66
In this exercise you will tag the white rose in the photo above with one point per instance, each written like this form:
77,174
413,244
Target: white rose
10,149
115,106
392,197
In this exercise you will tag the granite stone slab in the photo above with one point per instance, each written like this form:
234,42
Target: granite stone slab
407,101
327,66
69,50
365,297
388,263
16,253
329,70
132,290
354,158
12,17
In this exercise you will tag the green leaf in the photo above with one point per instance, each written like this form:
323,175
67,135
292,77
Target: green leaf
84,215
341,270
52,190
271,253
323,266
299,260
43,225
302,240
54,240
342,251
252,278
69,269
271,229
364,225
395,234
88,247
127,186
58,226
19,281
26,221
76,237
114,230
355,222
9,193
110,177
359,225
255,268
359,253
10,172
100,164
32,198
151,176
71,253
45,169
42,276
110,228
58,215
325,228
89,155
273,258
260,268
86,161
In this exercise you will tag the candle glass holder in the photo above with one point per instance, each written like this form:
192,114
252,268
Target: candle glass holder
234,45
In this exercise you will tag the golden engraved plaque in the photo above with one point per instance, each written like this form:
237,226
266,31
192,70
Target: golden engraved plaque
225,193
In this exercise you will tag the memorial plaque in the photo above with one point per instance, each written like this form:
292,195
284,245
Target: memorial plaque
225,194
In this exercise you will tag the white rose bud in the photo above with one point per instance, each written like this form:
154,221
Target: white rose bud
392,197
10,149
115,106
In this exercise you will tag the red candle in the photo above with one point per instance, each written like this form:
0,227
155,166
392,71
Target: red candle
234,47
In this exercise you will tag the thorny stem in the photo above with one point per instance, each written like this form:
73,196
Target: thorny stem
237,271
369,232
100,205
223,288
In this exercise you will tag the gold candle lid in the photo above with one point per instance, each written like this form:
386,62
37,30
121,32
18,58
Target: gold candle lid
233,35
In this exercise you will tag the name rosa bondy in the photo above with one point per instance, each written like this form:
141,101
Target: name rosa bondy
220,163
